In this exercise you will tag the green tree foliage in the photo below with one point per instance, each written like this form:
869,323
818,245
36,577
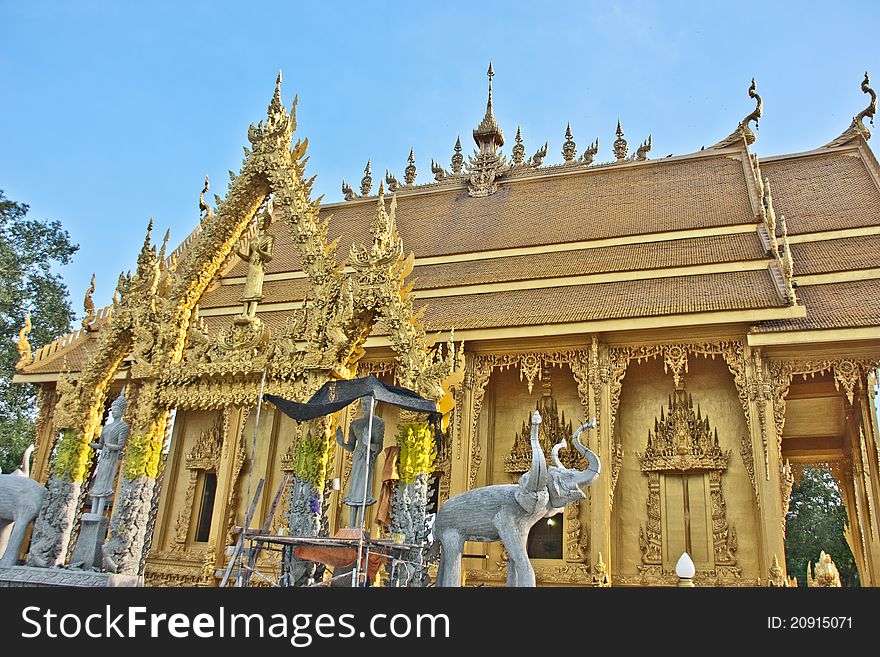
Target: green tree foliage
816,519
29,249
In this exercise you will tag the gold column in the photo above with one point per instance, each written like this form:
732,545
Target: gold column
766,440
224,514
600,491
862,431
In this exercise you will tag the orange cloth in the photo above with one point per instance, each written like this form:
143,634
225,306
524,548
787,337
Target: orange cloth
390,478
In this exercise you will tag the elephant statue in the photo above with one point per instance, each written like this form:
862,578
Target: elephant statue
20,500
507,512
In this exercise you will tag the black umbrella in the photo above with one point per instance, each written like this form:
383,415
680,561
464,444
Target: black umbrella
335,395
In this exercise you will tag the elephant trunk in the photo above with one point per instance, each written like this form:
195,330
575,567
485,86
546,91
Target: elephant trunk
537,479
593,465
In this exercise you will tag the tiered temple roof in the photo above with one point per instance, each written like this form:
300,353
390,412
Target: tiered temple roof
582,246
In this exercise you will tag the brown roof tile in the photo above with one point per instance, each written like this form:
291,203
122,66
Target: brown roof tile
627,257
823,192
580,303
836,255
592,204
833,305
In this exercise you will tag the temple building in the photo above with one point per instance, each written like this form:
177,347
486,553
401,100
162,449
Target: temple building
716,312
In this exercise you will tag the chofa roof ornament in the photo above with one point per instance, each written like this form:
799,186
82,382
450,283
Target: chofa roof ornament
743,130
857,128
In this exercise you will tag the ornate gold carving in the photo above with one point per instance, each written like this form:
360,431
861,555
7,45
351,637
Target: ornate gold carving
530,365
600,574
682,440
577,541
553,429
478,379
777,577
866,478
675,359
650,536
240,441
486,165
25,356
826,574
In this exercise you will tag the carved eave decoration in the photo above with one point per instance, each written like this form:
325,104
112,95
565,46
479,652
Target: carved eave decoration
857,129
743,132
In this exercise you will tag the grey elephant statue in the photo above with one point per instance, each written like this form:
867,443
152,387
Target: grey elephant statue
20,500
507,512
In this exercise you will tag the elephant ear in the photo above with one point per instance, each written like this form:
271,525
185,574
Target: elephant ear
526,499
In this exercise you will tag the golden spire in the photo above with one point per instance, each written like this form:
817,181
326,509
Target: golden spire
24,346
89,305
488,134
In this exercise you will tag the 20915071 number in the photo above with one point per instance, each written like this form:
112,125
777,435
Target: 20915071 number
819,622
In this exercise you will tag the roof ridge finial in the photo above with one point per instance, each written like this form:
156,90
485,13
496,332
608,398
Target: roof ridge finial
756,114
457,158
366,181
569,148
871,109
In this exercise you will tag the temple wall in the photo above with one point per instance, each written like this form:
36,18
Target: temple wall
646,389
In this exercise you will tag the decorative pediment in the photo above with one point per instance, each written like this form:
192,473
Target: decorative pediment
205,454
682,440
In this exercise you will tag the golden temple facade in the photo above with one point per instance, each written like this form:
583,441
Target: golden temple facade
716,312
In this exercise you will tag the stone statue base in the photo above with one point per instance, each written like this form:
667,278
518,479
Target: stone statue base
27,576
88,552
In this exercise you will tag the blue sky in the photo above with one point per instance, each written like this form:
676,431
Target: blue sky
113,112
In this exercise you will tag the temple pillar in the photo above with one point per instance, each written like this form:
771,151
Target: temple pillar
861,425
225,513
602,441
765,420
